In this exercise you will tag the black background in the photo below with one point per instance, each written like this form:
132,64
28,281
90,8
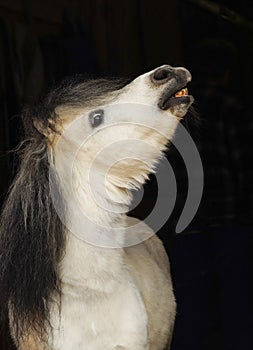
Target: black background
42,42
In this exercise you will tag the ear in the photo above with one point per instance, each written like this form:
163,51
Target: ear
47,130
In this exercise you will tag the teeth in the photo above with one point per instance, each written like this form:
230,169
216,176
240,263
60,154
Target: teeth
182,92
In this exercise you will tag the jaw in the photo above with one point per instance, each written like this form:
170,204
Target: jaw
175,98
180,108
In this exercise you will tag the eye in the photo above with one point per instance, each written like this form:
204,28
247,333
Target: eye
96,118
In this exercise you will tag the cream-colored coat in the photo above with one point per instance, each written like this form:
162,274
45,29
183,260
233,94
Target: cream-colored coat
116,298
113,297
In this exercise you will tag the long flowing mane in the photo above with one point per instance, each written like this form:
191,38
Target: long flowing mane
32,237
32,242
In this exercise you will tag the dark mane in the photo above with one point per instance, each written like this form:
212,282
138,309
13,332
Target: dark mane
31,242
32,237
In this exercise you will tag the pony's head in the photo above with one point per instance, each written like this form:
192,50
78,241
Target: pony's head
90,142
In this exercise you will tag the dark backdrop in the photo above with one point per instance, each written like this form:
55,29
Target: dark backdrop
42,42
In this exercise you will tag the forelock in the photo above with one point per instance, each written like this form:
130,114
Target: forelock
74,92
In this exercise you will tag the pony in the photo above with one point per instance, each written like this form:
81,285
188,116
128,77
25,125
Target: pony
76,271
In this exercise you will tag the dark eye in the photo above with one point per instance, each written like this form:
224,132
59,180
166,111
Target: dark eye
96,117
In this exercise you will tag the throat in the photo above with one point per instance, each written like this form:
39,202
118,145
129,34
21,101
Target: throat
95,207
95,218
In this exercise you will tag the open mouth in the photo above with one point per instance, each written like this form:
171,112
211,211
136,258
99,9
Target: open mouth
182,92
175,97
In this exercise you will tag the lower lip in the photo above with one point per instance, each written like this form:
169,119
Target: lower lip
174,101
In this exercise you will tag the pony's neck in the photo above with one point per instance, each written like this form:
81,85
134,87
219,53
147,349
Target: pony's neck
95,213
84,264
91,234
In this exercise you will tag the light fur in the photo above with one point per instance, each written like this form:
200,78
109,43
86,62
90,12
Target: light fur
110,297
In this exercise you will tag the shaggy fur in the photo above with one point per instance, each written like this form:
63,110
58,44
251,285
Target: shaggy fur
32,237
59,291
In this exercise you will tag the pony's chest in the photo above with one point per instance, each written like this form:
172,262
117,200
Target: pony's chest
97,321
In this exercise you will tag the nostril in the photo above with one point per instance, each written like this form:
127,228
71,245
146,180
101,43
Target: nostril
161,74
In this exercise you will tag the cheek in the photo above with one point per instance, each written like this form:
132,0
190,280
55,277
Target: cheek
118,141
108,138
112,143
